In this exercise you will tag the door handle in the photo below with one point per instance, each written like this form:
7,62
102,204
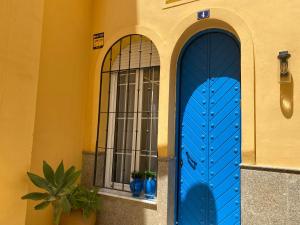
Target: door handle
192,162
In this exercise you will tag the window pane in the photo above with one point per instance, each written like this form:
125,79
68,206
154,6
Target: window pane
145,134
129,135
122,123
143,164
102,134
147,93
116,56
120,131
155,97
125,53
105,85
148,151
126,95
132,76
148,163
107,64
154,131
150,90
127,167
117,166
122,168
147,77
131,98
123,77
135,51
153,166
156,73
145,54
121,99
146,115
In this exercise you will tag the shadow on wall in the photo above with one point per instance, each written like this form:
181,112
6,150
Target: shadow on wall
201,194
287,99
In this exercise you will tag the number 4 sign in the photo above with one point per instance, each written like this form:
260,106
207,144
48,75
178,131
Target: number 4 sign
203,14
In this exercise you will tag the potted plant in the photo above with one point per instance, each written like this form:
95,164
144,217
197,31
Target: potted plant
150,184
85,203
60,191
136,185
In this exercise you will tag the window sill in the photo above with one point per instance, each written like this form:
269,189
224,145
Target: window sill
126,196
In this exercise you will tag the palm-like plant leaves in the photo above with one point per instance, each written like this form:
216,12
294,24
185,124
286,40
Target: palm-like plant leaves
36,196
59,174
58,184
71,179
39,181
70,171
48,173
42,205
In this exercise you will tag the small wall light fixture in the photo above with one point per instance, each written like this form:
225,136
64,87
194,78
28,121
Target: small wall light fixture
285,76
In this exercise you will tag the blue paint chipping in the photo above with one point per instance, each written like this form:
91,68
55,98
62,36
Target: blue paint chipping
209,131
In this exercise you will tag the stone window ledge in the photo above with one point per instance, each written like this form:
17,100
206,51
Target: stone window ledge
126,196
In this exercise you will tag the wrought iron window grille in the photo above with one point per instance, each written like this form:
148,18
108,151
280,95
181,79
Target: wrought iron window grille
128,112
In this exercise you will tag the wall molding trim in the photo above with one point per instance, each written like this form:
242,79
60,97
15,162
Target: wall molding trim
270,169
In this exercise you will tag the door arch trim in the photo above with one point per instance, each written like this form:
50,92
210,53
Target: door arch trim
229,21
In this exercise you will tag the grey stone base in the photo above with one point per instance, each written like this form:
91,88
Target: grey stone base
120,211
270,196
117,211
87,173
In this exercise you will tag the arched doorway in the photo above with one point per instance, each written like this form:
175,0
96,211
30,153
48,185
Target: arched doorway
209,130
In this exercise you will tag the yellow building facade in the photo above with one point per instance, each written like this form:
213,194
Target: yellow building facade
256,81
49,97
268,109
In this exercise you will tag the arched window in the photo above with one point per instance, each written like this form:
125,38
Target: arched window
128,111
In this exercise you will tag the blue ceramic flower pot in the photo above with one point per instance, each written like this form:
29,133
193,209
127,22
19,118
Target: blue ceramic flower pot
150,188
136,187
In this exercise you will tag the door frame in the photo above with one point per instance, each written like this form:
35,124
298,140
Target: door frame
177,116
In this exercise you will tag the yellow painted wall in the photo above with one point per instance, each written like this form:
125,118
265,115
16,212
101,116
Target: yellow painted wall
272,26
62,89
120,15
20,40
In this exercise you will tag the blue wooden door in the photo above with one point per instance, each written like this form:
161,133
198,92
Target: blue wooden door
209,122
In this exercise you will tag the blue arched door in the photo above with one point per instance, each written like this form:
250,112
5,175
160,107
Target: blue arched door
208,130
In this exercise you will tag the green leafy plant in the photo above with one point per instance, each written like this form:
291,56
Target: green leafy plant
150,174
137,175
86,200
57,187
